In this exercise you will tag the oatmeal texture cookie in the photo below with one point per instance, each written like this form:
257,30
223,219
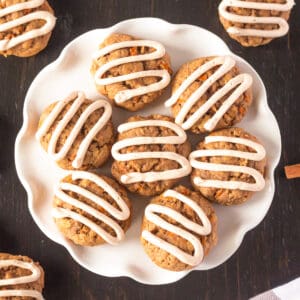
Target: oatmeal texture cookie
20,278
245,21
31,36
156,238
220,181
88,221
134,73
77,132
210,93
136,169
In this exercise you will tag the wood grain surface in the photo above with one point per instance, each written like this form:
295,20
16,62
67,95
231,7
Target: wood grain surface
268,255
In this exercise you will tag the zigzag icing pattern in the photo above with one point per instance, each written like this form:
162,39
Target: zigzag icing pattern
36,15
79,98
121,214
238,85
258,155
151,215
34,276
133,177
125,95
283,26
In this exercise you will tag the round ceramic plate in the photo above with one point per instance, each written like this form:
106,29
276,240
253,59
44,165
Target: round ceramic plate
39,174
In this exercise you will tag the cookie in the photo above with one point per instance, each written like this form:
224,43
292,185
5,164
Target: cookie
179,228
228,166
255,22
25,26
77,132
91,209
131,72
150,154
210,93
20,278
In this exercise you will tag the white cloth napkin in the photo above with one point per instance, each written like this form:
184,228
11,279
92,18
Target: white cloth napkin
288,291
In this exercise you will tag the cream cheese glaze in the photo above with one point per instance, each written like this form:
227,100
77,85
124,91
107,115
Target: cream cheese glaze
179,138
258,155
78,98
121,214
49,19
151,214
283,26
126,95
238,85
34,276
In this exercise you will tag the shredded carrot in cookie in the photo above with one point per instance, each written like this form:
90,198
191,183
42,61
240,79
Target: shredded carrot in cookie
133,51
203,77
165,66
242,110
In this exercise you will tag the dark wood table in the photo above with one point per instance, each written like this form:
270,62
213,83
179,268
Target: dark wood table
268,255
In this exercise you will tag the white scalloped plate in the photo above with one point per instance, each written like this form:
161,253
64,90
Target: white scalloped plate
71,72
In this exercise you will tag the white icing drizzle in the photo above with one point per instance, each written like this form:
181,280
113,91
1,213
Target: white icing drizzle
22,293
283,26
34,276
151,214
239,84
125,95
120,214
50,20
258,155
79,98
179,138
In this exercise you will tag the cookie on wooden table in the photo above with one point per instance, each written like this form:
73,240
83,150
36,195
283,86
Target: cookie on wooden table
91,209
20,278
255,22
25,26
228,166
77,132
130,71
150,154
179,229
210,93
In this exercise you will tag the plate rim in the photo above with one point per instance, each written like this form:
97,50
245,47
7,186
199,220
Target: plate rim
22,132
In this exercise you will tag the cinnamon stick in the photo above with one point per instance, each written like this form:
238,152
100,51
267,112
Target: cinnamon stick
292,171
